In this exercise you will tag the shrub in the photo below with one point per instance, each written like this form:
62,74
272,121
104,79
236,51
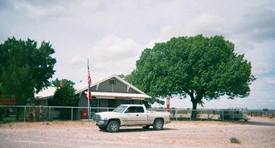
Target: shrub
234,140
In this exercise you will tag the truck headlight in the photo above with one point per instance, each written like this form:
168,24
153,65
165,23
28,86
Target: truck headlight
97,117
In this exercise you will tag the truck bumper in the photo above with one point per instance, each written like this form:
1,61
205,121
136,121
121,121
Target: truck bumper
102,122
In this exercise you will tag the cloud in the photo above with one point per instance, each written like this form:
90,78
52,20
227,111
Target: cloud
114,33
76,60
259,25
203,24
113,54
36,9
113,48
110,55
262,57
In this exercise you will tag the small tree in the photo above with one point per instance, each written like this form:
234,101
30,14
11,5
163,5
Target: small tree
64,94
204,68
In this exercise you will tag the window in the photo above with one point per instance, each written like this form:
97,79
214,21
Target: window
130,110
139,110
134,109
112,81
119,109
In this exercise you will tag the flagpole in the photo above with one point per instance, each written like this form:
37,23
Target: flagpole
88,90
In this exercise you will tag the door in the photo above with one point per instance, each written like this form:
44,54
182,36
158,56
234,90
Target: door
135,115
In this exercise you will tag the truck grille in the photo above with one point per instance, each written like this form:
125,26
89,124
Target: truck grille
97,117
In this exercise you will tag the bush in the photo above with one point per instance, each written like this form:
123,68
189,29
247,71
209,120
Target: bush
234,140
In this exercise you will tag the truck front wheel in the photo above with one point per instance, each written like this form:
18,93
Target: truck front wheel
146,127
113,126
103,128
158,124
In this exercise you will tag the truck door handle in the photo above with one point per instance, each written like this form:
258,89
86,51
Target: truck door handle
137,114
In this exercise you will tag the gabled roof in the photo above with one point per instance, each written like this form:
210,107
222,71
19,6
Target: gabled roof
114,95
83,86
46,93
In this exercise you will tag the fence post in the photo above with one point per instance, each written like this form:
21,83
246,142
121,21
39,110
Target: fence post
49,113
191,114
200,115
176,114
72,113
24,113
223,115
233,114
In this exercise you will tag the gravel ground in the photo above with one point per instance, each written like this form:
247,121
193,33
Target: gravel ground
258,132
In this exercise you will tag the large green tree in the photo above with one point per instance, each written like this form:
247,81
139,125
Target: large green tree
18,83
204,68
25,67
64,94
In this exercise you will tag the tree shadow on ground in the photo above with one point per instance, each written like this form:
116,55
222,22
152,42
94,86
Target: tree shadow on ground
126,130
259,123
142,130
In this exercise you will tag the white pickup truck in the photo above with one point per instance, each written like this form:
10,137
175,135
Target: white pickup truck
131,115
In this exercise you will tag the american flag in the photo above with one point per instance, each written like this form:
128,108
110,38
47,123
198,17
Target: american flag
89,96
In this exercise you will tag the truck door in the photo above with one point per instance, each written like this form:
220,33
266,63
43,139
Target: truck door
135,115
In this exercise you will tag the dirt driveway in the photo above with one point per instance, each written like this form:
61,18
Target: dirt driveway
259,132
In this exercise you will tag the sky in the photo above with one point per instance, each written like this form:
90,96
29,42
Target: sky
113,33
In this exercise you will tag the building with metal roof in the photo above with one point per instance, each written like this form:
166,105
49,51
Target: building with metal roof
109,92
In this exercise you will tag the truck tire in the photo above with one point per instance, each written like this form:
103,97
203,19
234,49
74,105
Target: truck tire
158,124
113,126
103,128
146,127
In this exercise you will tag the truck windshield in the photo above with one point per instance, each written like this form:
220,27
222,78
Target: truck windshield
120,109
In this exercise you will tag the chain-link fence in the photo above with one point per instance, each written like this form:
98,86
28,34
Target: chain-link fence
207,114
49,113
